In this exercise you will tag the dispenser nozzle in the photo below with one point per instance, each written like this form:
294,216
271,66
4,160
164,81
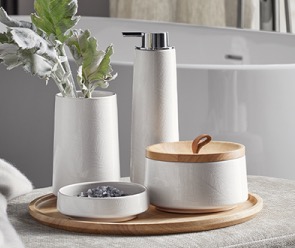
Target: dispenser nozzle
133,34
151,41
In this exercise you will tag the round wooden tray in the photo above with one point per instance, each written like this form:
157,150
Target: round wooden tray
152,222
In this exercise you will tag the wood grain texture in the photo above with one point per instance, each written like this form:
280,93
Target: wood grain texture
181,151
152,222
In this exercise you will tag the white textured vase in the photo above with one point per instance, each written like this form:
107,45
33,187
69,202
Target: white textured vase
86,142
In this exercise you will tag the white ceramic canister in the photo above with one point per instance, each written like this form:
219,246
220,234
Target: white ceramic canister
86,141
179,179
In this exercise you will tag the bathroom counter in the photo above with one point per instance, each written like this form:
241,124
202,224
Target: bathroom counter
274,226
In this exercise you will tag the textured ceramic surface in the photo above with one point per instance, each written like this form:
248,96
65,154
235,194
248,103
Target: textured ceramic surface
196,186
108,209
86,142
154,105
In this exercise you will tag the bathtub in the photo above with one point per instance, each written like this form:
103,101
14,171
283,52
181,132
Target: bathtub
235,85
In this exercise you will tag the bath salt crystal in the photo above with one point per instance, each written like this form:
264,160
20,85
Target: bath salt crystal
102,192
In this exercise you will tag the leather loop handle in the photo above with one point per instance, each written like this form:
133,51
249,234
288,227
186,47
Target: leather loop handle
200,141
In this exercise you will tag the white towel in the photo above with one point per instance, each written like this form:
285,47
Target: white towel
12,184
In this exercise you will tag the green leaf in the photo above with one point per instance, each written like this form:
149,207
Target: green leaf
104,69
10,22
9,55
27,39
4,38
77,43
36,64
12,56
22,46
55,17
94,65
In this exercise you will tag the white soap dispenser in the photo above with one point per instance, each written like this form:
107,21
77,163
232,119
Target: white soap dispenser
154,98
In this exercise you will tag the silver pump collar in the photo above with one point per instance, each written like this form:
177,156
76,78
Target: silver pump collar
151,41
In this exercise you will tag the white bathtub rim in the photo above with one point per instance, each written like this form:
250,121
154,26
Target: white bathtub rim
252,67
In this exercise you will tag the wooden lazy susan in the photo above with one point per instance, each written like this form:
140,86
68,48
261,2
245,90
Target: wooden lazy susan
152,222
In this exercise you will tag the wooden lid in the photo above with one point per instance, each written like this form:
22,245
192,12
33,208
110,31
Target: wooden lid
201,149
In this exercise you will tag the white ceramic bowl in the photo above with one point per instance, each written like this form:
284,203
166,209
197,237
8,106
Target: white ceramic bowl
110,209
180,181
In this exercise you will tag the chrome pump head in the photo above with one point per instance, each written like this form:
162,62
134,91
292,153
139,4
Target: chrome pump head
151,41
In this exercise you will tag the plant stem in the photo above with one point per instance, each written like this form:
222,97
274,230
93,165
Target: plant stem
88,94
67,69
58,83
63,83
